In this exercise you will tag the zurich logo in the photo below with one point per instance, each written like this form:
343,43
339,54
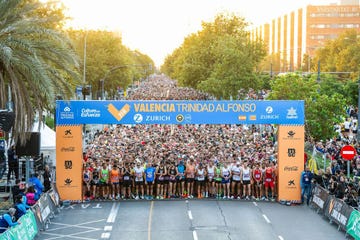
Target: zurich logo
269,110
67,109
138,118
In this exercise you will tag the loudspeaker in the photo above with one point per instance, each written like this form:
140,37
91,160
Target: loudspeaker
6,120
31,147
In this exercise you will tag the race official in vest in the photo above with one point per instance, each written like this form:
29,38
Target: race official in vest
305,183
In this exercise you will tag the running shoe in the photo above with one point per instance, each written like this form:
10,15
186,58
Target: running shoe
232,196
137,197
247,198
141,197
266,199
224,197
238,197
263,198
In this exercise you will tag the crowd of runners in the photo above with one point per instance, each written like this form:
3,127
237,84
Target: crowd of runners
180,161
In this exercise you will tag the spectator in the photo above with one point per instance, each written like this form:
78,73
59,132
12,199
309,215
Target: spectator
30,195
38,186
340,187
17,189
13,163
20,206
2,163
47,178
6,220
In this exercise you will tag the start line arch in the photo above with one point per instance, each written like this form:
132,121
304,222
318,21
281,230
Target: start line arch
71,115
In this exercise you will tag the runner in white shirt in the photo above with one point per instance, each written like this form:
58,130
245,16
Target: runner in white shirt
236,183
210,182
246,180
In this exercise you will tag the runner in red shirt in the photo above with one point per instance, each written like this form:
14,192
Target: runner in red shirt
258,181
269,181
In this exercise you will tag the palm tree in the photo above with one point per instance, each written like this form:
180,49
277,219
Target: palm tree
37,62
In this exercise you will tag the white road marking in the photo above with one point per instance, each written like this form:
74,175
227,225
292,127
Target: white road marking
97,206
72,236
281,238
74,225
255,204
105,235
195,235
150,219
113,213
266,218
85,205
190,215
108,228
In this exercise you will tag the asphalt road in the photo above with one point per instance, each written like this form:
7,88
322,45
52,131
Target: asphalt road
193,220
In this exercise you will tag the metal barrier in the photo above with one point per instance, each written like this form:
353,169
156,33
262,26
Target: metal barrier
337,211
36,219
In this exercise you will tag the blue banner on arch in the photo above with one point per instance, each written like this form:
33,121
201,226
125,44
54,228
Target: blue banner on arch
180,112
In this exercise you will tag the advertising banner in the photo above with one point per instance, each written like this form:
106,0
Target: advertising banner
69,162
338,211
353,225
180,112
27,230
320,196
290,162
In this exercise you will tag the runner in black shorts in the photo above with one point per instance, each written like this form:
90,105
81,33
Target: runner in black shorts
127,181
160,178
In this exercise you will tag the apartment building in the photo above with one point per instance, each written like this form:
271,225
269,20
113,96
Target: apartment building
302,31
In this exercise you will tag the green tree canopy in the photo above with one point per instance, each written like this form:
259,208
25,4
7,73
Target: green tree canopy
36,61
323,107
341,54
107,57
220,59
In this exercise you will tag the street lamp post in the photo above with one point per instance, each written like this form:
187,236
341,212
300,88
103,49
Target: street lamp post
102,81
84,70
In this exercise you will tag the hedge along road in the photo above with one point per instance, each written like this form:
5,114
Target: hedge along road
193,219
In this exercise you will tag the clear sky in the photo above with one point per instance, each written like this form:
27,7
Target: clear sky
157,27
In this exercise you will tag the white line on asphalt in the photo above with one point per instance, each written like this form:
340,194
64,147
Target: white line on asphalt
255,204
281,238
71,236
266,218
97,206
190,215
108,228
150,219
74,225
195,235
105,235
113,212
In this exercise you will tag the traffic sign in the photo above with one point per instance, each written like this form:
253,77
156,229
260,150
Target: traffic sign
348,152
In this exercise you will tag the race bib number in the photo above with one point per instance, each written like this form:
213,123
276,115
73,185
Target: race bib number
126,178
236,177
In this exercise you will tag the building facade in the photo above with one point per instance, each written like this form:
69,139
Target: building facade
292,36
